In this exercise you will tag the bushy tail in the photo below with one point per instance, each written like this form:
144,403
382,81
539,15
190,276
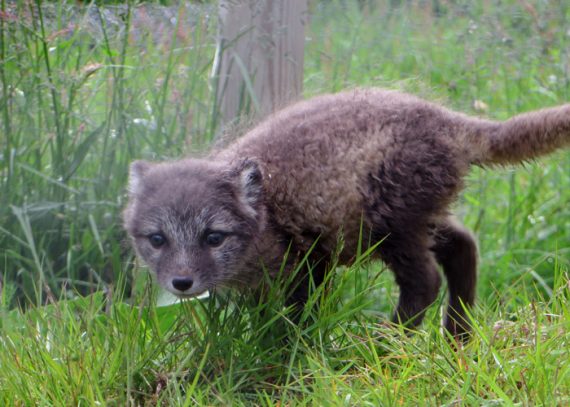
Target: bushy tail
523,137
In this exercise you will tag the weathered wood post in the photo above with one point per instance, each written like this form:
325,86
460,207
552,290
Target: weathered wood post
259,56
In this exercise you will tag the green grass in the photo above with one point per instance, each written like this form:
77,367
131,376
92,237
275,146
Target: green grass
77,105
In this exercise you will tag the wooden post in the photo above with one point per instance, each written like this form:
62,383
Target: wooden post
259,57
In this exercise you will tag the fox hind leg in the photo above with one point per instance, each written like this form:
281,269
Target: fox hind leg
456,251
416,273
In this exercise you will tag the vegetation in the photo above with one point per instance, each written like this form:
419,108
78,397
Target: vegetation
80,322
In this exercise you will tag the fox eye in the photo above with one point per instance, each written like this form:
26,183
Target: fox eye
157,240
214,239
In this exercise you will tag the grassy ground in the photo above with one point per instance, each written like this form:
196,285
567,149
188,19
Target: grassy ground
77,104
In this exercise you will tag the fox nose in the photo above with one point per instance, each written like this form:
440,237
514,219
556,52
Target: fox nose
182,283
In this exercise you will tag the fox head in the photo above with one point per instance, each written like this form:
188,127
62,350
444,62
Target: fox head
196,223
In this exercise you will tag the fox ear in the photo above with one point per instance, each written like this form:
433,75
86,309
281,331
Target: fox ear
250,184
137,171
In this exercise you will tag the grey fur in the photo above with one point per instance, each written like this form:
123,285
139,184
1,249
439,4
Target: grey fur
370,161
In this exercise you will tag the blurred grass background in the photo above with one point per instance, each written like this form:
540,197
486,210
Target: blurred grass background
85,90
